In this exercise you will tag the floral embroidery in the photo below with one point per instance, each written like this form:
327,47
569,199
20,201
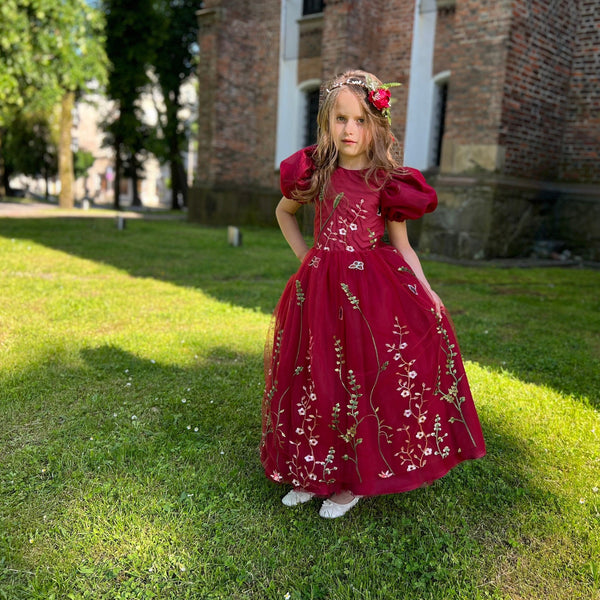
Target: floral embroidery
335,231
358,265
413,289
314,262
451,394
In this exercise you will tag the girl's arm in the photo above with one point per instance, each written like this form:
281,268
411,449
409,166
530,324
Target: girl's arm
399,239
286,217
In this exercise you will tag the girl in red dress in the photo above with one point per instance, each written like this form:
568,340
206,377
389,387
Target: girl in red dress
366,393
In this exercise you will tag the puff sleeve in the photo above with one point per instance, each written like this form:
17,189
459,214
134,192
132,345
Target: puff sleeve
295,172
407,195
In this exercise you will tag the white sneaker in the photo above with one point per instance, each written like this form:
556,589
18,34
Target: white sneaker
333,510
295,497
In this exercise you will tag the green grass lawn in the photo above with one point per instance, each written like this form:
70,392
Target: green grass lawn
130,391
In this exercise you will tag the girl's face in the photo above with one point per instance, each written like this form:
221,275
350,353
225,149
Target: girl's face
349,130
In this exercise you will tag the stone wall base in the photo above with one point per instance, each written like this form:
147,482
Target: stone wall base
232,205
499,217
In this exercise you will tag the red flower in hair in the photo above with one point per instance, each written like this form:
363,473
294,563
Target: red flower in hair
380,98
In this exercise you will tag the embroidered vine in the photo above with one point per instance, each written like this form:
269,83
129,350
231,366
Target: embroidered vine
451,395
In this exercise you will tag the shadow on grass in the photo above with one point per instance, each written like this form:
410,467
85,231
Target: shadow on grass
149,481
501,323
178,252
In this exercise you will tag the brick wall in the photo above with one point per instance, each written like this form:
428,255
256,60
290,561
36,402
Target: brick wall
393,35
310,48
474,103
538,69
444,40
238,71
580,159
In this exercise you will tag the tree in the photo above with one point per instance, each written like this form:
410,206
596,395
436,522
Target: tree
174,63
49,51
26,53
81,61
130,53
30,147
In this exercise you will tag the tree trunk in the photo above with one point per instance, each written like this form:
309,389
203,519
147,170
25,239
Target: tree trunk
66,198
118,168
178,176
135,195
178,182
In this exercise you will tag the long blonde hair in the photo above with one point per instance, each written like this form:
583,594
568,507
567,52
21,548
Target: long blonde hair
383,154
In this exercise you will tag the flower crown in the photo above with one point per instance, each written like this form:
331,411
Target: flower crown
378,95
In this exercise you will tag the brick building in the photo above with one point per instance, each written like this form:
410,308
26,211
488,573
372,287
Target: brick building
500,107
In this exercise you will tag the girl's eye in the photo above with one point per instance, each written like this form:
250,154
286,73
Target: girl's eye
361,121
341,119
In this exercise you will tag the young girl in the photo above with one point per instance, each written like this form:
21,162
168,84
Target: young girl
366,393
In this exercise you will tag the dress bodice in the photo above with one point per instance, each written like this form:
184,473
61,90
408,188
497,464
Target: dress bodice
348,217
351,214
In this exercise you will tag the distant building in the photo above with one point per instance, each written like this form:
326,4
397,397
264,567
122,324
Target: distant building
98,185
500,108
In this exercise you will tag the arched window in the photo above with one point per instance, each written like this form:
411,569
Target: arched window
312,108
312,7
439,119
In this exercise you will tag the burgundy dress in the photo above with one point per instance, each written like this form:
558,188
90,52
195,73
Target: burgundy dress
365,386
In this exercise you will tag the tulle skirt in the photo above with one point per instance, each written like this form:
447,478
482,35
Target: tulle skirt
365,385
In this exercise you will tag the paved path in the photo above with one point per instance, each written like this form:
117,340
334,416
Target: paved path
33,209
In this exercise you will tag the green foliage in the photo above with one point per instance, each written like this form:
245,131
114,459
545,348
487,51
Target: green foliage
130,52
131,378
29,145
47,47
82,161
176,41
164,59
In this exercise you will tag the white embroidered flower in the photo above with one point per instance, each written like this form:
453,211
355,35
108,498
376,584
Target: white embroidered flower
295,483
314,262
299,431
428,451
385,474
420,435
397,356
313,441
309,458
275,476
350,248
353,226
405,393
313,396
411,468
301,412
403,345
357,265
342,231
422,419
312,476
408,412
412,374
